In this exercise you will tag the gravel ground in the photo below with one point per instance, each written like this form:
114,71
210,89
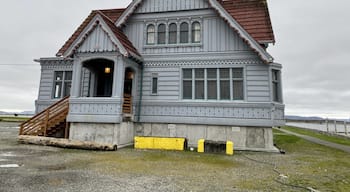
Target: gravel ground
43,169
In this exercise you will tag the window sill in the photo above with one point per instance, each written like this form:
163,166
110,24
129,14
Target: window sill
173,45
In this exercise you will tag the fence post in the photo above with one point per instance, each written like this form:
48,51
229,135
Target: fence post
345,128
335,126
327,125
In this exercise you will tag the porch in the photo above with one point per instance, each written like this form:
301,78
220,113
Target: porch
103,90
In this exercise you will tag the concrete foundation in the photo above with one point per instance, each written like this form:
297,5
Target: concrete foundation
117,134
244,138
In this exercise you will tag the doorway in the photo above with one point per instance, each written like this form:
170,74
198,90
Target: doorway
101,77
128,87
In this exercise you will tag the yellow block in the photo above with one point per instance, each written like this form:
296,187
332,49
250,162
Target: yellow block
160,143
201,146
229,148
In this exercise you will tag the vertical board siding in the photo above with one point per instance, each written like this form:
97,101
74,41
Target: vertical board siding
217,36
171,5
97,41
257,83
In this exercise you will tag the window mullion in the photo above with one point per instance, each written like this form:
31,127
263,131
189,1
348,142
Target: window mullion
62,84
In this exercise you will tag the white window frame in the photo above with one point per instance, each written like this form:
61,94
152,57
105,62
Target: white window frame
218,79
62,82
154,76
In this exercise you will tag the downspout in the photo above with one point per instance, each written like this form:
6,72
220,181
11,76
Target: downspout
140,98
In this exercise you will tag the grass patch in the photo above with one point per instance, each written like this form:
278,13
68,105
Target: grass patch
334,139
13,119
313,165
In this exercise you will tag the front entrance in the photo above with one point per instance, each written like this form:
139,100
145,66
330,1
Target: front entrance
100,80
128,86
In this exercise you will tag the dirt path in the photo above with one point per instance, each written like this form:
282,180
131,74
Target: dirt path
319,141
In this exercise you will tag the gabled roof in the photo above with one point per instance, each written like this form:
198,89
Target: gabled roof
253,16
249,18
109,17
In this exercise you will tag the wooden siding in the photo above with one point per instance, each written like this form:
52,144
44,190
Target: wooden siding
47,76
217,36
97,41
168,83
257,83
171,5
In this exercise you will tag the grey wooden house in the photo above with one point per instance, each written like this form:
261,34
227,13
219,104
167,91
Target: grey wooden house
170,68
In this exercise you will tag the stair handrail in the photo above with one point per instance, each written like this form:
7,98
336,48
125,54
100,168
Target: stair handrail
44,112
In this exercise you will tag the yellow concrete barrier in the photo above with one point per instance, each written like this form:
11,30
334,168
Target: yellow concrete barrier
229,148
200,148
160,143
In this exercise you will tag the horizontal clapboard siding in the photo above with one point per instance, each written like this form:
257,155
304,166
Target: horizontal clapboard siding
257,83
168,83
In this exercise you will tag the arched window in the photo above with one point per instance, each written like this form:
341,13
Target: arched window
196,32
172,33
184,32
161,33
151,34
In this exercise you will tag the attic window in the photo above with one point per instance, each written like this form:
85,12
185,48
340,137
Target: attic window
184,31
161,34
151,32
172,33
196,32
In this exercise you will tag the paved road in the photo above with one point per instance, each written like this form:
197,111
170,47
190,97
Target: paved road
319,141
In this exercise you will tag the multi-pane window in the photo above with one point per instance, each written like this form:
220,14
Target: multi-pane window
172,33
62,84
237,82
196,32
151,34
184,31
276,86
161,33
212,83
221,84
187,83
154,84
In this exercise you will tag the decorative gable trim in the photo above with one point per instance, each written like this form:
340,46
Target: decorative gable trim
241,32
96,21
263,54
127,13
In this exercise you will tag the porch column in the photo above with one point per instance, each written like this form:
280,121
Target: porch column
77,68
118,78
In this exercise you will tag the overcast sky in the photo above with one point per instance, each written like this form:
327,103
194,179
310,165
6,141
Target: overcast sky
312,44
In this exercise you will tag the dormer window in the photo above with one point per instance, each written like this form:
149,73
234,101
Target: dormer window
196,32
161,33
184,31
151,34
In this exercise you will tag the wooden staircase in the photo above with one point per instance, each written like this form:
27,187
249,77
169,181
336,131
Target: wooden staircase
127,105
50,122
